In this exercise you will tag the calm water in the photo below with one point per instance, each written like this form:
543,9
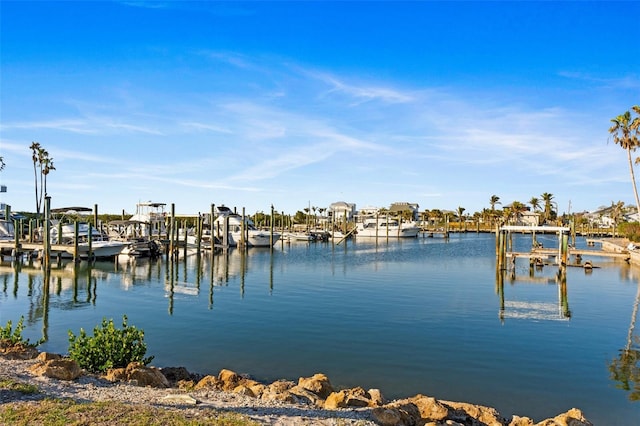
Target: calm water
416,316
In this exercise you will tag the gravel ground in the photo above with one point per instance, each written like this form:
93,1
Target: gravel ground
91,388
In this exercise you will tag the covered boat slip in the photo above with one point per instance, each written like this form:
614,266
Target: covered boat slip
561,254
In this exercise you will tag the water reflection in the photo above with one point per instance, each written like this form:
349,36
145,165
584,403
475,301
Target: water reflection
77,279
530,309
625,369
186,276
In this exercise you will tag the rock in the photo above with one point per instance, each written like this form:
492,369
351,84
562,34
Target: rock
180,399
255,387
520,421
243,390
354,397
146,376
305,396
401,413
208,382
573,417
474,414
336,400
18,351
229,379
318,384
185,384
430,409
358,397
176,374
279,391
376,397
116,375
61,369
47,356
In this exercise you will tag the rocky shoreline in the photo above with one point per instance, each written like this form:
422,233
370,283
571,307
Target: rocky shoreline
309,401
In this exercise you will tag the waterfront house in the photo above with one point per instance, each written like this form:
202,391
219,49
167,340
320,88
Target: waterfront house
341,210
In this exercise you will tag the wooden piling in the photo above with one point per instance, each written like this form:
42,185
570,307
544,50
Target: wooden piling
75,241
47,236
243,230
271,229
564,248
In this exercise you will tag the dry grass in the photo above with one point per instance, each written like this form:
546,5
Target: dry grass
64,412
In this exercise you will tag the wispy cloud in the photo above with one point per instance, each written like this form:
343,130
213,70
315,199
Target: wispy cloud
73,126
359,92
629,81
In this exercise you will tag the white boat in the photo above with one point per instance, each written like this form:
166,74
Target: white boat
91,242
100,249
253,237
151,219
142,231
7,230
290,237
386,227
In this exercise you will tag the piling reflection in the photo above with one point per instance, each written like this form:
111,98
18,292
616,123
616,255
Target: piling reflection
531,309
185,276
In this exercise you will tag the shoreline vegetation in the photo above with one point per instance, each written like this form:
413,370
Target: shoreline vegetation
36,387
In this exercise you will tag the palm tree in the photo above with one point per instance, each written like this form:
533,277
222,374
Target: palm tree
547,198
517,208
535,203
616,214
624,132
2,164
459,212
493,201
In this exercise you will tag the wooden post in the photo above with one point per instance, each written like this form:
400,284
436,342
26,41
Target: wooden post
214,233
564,248
502,255
243,230
90,242
199,224
95,215
17,230
47,236
172,226
225,232
271,231
75,241
184,232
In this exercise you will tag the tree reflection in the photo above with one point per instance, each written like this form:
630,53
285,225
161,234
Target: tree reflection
626,369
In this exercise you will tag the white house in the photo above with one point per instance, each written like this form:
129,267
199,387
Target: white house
341,210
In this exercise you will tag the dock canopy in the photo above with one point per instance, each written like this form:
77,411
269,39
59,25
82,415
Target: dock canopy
534,228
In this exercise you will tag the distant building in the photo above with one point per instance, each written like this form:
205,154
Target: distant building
529,218
341,210
403,207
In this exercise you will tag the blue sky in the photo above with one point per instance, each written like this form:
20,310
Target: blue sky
250,104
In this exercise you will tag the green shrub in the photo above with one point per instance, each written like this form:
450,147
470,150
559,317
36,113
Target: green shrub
14,336
109,347
631,230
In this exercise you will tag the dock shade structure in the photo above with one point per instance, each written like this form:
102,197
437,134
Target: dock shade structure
502,240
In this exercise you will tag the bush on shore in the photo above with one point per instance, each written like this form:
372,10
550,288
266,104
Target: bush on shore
109,347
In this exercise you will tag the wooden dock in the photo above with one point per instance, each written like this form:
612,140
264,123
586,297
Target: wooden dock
24,247
542,252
